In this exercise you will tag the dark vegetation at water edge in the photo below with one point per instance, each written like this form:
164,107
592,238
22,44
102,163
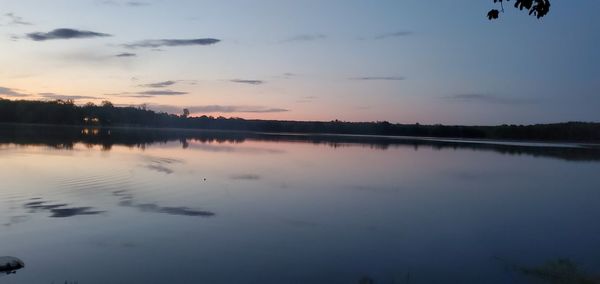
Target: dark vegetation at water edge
67,113
66,137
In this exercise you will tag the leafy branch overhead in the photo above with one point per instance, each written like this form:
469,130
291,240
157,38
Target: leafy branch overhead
538,8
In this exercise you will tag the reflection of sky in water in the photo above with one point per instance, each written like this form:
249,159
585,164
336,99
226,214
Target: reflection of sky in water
272,212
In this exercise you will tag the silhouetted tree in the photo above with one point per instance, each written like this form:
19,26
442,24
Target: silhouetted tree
107,104
186,112
538,8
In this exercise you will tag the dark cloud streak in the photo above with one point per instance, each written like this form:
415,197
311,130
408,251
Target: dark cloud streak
66,97
250,82
392,35
216,108
486,98
64,34
379,78
305,37
154,43
11,92
16,20
159,84
126,54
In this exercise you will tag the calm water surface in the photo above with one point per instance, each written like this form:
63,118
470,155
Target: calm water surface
120,206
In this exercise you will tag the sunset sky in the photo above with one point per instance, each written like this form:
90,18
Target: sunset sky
403,61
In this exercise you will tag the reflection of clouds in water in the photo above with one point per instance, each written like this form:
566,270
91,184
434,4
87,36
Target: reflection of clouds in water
59,210
245,177
67,138
299,223
375,189
161,164
107,244
160,168
478,175
13,220
128,200
233,149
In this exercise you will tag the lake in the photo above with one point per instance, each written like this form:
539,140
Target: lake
173,206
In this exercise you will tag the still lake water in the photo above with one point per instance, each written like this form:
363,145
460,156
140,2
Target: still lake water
142,206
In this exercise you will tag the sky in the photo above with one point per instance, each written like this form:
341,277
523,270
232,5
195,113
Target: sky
403,61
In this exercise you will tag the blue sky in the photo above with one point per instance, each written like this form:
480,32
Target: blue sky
401,61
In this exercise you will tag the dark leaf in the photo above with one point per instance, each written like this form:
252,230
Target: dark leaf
493,14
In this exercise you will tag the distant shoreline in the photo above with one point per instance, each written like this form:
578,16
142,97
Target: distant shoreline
66,113
504,142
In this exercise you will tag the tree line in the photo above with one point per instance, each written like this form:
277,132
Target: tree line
106,114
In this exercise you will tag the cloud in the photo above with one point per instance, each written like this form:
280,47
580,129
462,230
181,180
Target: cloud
128,3
149,94
159,84
244,81
11,92
379,78
392,35
65,97
126,54
216,109
16,20
307,99
245,177
64,34
136,4
154,43
162,93
485,98
305,37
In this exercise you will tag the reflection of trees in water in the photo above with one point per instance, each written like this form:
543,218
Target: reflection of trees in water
554,271
66,137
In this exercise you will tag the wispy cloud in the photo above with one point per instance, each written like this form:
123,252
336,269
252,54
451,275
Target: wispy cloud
11,92
307,99
486,98
216,109
379,78
126,54
246,81
55,96
136,3
245,177
16,20
159,84
64,34
148,94
392,35
154,43
155,93
305,37
124,3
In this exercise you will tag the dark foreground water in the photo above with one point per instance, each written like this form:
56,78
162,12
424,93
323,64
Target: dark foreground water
133,206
